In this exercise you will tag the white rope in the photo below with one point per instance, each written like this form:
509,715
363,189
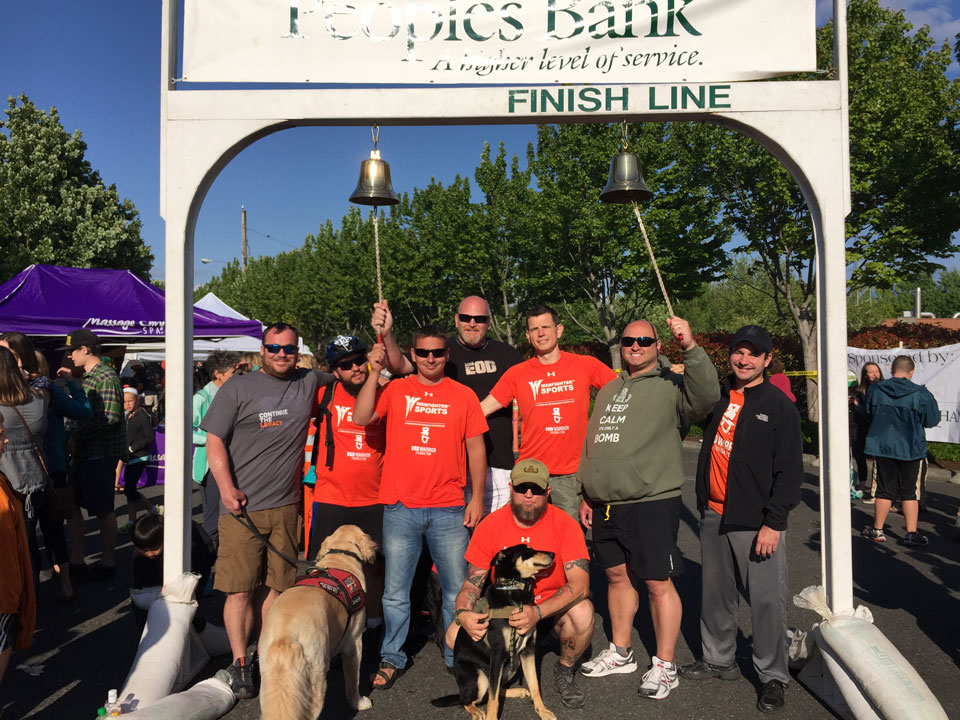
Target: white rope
656,269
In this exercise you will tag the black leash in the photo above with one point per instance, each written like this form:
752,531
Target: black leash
245,520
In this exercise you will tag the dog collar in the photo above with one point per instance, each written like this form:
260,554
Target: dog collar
352,554
510,584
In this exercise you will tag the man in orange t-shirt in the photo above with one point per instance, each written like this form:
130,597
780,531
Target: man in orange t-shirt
347,461
434,430
553,392
748,480
560,596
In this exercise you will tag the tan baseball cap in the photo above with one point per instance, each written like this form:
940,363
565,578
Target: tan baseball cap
530,471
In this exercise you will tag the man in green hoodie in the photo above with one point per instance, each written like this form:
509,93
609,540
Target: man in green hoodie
631,474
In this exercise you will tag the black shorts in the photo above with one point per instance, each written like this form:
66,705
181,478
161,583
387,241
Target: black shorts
327,518
640,535
93,482
898,479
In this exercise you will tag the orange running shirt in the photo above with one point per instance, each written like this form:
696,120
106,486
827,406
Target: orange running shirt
555,532
554,403
426,460
720,452
354,480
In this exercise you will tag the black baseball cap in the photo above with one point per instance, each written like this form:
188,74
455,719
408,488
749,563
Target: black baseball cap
754,335
80,338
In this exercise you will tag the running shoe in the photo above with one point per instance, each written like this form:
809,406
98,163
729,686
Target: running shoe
609,662
875,534
659,680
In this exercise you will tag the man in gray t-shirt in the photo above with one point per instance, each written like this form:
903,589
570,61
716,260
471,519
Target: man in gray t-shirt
256,431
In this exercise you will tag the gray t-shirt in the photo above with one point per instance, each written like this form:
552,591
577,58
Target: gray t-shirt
263,422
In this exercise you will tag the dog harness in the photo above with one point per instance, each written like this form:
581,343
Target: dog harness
344,586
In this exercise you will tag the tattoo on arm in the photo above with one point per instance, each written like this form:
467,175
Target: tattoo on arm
582,563
476,576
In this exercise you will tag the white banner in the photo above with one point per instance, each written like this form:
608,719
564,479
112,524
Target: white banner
937,368
388,42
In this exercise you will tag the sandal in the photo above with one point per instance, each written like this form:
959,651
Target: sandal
389,680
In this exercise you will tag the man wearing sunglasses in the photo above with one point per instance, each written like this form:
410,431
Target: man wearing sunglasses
560,592
346,461
478,362
553,392
434,430
256,430
632,474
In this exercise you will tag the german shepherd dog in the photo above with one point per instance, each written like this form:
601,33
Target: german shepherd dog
487,666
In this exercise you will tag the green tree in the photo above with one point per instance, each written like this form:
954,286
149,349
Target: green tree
905,172
54,208
586,250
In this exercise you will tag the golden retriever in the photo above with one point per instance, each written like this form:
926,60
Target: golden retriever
305,628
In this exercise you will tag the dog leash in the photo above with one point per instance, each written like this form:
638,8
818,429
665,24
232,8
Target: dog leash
244,519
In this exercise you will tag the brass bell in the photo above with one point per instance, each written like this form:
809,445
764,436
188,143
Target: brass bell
626,183
374,186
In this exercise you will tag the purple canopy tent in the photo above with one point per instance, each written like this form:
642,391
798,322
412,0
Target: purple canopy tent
54,301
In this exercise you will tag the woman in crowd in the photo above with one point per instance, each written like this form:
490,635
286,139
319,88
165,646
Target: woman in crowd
139,428
859,424
220,365
18,606
24,413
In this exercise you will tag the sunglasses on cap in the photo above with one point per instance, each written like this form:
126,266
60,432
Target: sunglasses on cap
522,488
349,363
478,319
643,341
425,352
274,348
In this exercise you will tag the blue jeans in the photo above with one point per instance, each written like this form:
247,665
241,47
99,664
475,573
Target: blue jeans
403,530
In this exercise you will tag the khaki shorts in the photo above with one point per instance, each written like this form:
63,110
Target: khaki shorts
244,563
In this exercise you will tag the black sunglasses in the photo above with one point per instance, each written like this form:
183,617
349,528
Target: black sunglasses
350,362
627,341
522,488
478,319
274,348
424,352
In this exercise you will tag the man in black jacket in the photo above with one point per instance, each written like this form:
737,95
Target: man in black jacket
748,480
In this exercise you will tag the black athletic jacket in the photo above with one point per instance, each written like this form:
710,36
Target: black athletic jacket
766,460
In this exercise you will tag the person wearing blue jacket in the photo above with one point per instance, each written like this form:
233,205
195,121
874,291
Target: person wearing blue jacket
899,410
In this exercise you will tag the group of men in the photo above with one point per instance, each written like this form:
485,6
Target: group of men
429,457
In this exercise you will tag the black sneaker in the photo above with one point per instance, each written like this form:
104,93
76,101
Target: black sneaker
875,534
242,680
915,539
702,670
565,683
770,699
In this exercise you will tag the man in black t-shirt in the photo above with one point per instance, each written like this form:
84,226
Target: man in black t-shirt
477,362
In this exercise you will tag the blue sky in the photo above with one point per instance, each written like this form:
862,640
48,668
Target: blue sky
99,64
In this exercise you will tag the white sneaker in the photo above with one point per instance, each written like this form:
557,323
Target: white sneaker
609,662
659,680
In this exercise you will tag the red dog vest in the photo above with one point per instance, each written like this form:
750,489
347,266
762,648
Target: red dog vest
344,586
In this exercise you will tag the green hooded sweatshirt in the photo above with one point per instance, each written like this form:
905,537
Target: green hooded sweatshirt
633,446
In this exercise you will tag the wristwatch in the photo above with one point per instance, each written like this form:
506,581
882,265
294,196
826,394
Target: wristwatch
456,615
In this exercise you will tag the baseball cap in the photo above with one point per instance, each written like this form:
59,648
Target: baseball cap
755,335
530,471
79,338
341,346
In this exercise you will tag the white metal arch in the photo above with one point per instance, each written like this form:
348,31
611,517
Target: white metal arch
803,124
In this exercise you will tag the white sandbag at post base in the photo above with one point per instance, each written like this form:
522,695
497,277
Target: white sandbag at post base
168,657
207,700
875,679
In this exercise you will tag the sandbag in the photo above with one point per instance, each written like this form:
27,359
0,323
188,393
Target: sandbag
170,653
206,700
875,680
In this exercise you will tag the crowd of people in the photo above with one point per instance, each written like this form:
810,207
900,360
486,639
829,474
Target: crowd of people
417,449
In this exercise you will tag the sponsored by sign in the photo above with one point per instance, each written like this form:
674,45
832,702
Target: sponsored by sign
388,42
937,368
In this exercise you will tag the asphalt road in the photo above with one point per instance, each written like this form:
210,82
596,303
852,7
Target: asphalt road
87,647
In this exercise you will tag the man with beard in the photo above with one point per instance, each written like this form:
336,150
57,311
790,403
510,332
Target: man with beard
348,460
256,428
478,362
560,596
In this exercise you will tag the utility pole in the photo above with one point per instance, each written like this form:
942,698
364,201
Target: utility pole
243,239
